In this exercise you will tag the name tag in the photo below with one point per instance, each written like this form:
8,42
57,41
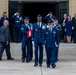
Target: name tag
46,32
35,29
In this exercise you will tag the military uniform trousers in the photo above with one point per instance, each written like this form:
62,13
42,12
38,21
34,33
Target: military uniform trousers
75,35
17,34
50,54
38,50
31,52
56,53
26,49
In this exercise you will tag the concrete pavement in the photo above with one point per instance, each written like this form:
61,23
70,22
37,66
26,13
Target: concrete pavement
65,66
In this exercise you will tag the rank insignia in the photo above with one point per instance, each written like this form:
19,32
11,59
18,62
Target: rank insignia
20,18
54,32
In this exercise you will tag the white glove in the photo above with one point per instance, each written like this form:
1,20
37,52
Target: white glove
56,44
72,28
33,42
15,14
48,15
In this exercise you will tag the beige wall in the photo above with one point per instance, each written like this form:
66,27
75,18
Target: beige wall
72,7
38,0
3,6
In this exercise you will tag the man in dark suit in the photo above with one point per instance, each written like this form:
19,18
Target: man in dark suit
74,26
17,24
57,26
26,30
63,23
50,40
49,17
5,40
38,29
4,17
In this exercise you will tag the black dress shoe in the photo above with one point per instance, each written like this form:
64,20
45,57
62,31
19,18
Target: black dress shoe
53,66
0,59
27,61
57,60
23,60
35,65
10,59
74,42
48,66
30,59
40,65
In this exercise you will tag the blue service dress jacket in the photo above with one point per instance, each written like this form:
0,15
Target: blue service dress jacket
50,38
38,32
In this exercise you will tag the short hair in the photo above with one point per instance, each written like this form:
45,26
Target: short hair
4,12
65,14
69,15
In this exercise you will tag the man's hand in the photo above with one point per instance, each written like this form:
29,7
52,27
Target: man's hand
65,30
43,46
48,15
72,28
63,24
33,42
7,43
56,45
15,14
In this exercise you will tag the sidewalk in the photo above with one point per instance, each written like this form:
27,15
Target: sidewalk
65,66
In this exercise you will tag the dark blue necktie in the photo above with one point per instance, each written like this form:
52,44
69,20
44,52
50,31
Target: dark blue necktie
39,25
50,30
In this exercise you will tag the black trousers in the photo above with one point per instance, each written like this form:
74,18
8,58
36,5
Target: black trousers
31,52
7,49
75,35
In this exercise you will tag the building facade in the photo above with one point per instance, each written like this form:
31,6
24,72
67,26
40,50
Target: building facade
33,7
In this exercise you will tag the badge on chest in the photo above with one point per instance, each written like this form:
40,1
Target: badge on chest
43,27
22,28
35,29
47,33
20,18
54,32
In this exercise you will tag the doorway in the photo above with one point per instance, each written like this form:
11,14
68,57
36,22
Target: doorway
31,9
